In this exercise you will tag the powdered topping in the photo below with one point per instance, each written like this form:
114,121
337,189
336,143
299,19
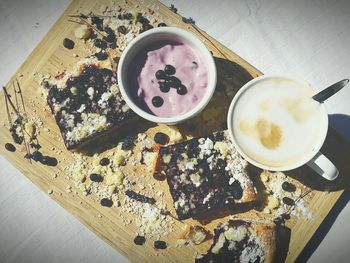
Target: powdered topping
253,252
206,145
150,219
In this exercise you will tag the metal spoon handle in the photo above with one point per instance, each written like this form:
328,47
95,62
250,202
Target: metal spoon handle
330,91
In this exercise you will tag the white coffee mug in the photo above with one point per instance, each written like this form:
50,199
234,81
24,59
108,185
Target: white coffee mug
274,117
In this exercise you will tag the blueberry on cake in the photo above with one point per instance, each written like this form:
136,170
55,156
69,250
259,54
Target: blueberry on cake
242,241
204,174
87,102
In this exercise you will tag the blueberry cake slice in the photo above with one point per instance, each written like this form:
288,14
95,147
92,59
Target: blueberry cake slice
204,174
87,103
242,241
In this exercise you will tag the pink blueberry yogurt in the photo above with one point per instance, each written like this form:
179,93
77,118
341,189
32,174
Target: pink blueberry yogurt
190,70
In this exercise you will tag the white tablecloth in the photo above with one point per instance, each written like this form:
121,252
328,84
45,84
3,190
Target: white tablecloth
307,39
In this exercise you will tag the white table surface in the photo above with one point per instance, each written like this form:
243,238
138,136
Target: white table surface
308,39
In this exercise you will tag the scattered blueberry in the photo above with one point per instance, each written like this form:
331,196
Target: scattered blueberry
101,55
128,16
122,29
139,240
160,74
181,90
162,24
104,161
288,201
96,178
161,138
100,43
145,27
106,202
50,161
157,101
37,156
169,70
68,43
289,187
10,147
159,176
160,244
141,19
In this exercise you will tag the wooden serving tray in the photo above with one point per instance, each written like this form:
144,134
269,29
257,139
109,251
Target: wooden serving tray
233,72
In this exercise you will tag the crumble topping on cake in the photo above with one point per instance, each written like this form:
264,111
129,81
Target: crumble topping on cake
87,102
242,241
284,196
204,174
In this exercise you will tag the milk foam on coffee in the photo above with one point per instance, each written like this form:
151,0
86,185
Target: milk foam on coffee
276,123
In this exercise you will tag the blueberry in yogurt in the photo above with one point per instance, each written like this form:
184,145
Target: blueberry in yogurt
168,79
157,101
169,70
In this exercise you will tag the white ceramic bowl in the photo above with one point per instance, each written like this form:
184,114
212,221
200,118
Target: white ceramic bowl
154,36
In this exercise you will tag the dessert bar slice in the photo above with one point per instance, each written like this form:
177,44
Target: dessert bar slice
87,102
204,174
242,241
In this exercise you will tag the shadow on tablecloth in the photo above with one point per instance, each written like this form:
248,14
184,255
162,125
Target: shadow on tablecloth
341,123
324,228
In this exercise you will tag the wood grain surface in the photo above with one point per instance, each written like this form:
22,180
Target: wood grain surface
50,57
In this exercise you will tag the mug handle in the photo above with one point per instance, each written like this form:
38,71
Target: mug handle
323,166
